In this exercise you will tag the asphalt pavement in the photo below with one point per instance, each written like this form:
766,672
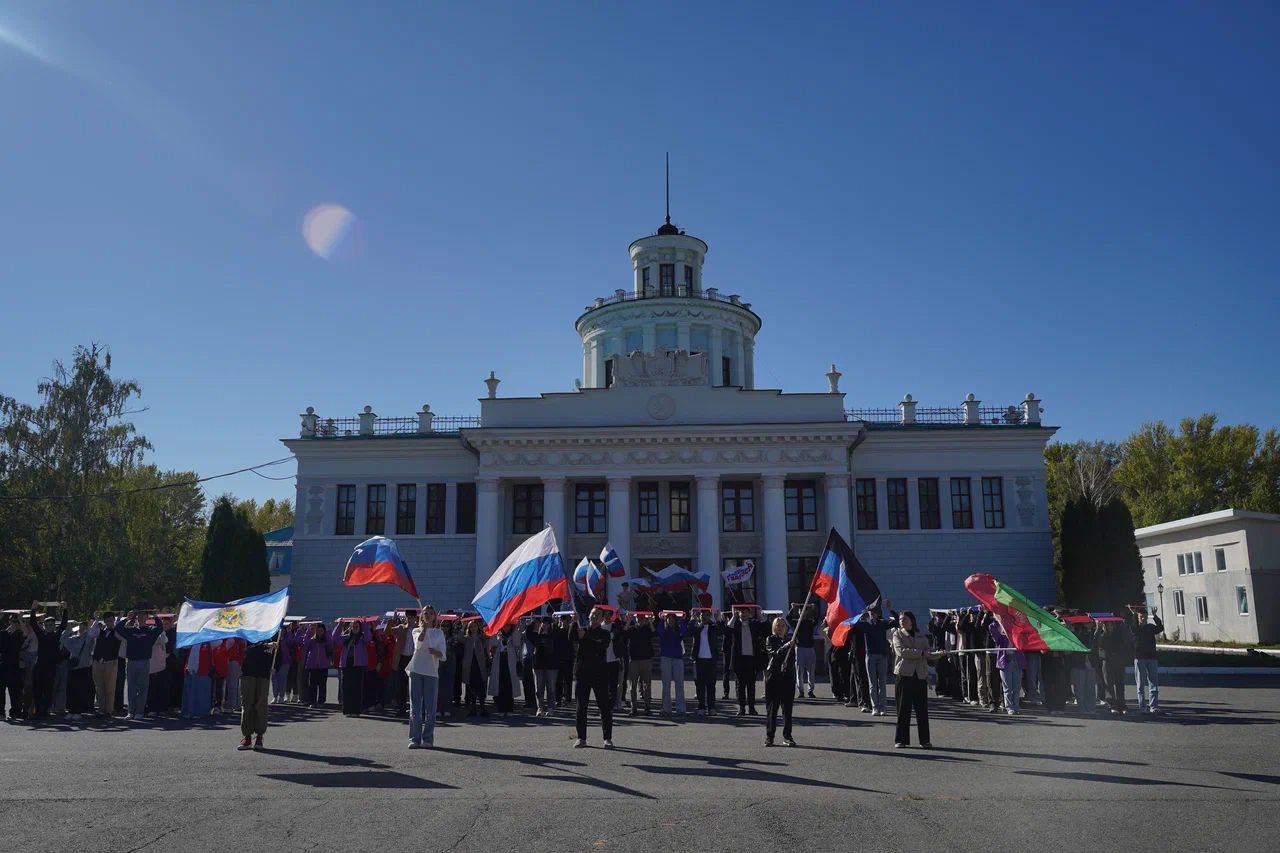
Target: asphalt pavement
1206,775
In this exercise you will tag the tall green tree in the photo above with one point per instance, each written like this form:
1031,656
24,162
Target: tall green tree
233,563
1075,471
270,515
1101,566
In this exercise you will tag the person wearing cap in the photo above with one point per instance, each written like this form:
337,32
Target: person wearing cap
779,682
640,636
592,672
138,643
708,637
1146,669
671,633
746,644
254,688
48,654
806,658
874,631
423,669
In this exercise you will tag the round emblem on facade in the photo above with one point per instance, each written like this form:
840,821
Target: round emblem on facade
660,407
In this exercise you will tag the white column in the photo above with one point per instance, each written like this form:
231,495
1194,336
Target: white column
749,364
488,529
837,501
775,543
740,361
708,509
586,366
553,510
714,367
619,503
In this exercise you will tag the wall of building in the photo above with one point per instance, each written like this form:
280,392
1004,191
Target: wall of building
1263,540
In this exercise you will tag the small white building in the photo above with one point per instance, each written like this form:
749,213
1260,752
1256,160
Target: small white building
667,450
1218,574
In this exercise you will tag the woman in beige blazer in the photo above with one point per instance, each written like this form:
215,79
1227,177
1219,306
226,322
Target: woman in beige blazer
911,655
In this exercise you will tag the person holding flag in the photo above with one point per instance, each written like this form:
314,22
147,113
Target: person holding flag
912,655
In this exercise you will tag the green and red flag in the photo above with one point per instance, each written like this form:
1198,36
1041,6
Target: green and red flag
1029,627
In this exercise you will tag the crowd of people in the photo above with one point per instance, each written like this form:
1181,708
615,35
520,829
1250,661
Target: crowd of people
425,666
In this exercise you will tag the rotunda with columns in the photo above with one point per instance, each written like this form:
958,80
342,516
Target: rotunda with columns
668,451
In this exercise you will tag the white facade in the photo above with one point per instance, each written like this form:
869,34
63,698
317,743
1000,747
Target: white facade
1215,577
668,451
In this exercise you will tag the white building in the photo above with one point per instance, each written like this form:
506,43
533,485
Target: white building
1218,574
669,451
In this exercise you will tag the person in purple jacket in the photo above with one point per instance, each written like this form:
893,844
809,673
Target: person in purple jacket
283,663
1009,663
355,637
317,650
671,634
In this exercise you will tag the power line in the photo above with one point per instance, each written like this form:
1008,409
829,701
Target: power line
120,492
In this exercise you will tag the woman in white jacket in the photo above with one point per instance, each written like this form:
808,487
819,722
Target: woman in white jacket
424,679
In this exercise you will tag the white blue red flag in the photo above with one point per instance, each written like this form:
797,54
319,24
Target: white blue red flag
532,575
844,584
588,577
612,562
253,619
675,577
378,560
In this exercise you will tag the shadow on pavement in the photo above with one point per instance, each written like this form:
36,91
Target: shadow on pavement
1253,777
1081,759
357,779
744,774
331,760
583,779
1115,780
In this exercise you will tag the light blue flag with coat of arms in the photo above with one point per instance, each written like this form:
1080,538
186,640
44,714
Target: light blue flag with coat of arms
253,619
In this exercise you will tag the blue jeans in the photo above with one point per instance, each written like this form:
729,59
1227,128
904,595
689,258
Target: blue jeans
138,674
1011,680
422,707
196,695
1147,672
877,674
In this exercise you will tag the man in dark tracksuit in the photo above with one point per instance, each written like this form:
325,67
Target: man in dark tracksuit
592,671
562,642
48,655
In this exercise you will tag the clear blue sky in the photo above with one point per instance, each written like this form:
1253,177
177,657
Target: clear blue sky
1080,201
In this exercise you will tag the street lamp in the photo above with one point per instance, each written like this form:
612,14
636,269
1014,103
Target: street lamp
1160,592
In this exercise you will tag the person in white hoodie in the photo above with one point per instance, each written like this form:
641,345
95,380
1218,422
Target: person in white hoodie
424,679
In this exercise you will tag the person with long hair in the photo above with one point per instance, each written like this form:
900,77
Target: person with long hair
779,682
423,669
475,668
912,653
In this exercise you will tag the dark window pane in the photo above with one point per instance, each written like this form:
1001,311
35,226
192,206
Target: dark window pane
466,510
993,502
899,513
666,279
799,575
801,503
726,371
737,507
678,494
647,504
406,509
526,508
375,518
435,508
865,491
346,522
961,504
589,508
930,511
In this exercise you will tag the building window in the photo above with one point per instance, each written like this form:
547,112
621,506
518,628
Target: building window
799,575
678,495
738,514
589,508
1220,556
688,279
1179,603
1199,563
1202,609
375,517
1242,601
526,508
739,593
801,500
993,502
648,506
726,371
865,491
465,511
406,509
435,508
608,373
644,281
1182,564
346,523
666,279
961,504
1159,568
930,510
895,489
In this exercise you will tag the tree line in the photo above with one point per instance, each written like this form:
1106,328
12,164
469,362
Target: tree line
87,520
1100,491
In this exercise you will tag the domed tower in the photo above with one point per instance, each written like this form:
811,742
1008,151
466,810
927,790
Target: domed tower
668,308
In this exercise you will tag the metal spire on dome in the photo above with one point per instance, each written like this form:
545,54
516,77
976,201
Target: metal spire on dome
667,227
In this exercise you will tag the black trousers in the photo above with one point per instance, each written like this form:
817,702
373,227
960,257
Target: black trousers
779,695
728,670
158,693
912,694
11,683
402,686
42,691
353,689
1115,684
564,682
745,672
859,690
613,682
600,687
704,683
317,686
80,691
838,667
527,683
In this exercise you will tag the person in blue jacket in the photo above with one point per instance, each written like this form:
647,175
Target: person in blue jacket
671,633
138,643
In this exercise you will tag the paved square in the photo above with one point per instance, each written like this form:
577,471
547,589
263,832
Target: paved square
1204,776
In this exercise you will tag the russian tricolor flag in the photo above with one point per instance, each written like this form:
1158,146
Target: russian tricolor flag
844,584
588,577
612,562
378,560
531,576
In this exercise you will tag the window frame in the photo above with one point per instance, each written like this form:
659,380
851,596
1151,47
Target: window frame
898,505
527,509
1202,609
380,528
346,500
1242,600
594,498
437,498
464,515
1179,603
1220,559
800,505
406,509
993,503
688,279
648,507
644,281
962,503
726,371
799,575
1199,558
1159,568
678,495
666,279
866,515
934,513
737,502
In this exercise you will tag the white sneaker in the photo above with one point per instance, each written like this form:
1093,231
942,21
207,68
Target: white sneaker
579,743
608,744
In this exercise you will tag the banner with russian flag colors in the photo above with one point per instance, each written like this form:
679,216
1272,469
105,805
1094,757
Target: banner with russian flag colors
674,578
612,562
589,578
739,574
378,560
1029,627
844,584
532,575
253,619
